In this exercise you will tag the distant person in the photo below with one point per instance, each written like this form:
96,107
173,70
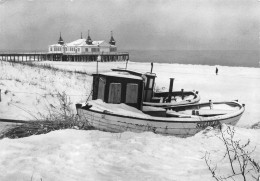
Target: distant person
216,70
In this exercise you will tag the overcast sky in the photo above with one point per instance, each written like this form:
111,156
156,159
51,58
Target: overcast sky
137,24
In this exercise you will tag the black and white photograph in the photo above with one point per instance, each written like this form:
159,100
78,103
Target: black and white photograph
129,90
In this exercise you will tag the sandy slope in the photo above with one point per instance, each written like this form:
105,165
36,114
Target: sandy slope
28,92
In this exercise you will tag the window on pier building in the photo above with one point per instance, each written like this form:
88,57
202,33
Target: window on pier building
94,49
51,49
113,49
86,49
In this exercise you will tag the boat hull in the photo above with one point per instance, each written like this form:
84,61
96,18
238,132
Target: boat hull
181,127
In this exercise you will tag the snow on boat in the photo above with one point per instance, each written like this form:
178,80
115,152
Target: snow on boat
166,99
122,101
182,121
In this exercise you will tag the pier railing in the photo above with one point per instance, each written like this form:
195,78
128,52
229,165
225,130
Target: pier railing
59,56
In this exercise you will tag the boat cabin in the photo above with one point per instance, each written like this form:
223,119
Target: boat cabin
123,86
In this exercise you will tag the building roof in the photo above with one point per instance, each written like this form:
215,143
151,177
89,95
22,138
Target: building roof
61,42
56,45
82,42
77,42
112,41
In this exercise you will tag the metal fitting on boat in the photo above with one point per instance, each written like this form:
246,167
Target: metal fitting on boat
78,106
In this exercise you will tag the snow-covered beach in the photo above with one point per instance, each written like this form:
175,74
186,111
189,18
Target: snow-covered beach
94,155
27,93
30,88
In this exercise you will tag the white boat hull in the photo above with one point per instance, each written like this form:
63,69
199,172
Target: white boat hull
182,127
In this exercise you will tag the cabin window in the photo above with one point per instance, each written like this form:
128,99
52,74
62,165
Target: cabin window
145,80
151,83
114,96
101,88
131,93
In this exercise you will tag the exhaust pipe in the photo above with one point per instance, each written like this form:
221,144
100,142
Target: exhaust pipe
170,89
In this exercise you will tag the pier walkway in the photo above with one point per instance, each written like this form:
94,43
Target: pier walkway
77,57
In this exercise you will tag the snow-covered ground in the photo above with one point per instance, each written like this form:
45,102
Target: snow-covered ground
231,83
96,155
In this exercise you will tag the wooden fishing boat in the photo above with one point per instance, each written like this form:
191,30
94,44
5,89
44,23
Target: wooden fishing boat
160,99
122,101
182,121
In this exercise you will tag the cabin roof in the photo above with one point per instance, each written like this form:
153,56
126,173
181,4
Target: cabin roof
122,75
133,72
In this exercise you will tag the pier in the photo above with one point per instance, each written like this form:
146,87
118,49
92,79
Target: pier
72,57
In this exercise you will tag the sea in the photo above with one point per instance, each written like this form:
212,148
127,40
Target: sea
238,58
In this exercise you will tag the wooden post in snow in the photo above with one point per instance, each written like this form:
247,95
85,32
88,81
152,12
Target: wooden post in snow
98,60
126,64
210,104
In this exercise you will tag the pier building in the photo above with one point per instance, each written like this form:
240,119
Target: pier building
83,49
